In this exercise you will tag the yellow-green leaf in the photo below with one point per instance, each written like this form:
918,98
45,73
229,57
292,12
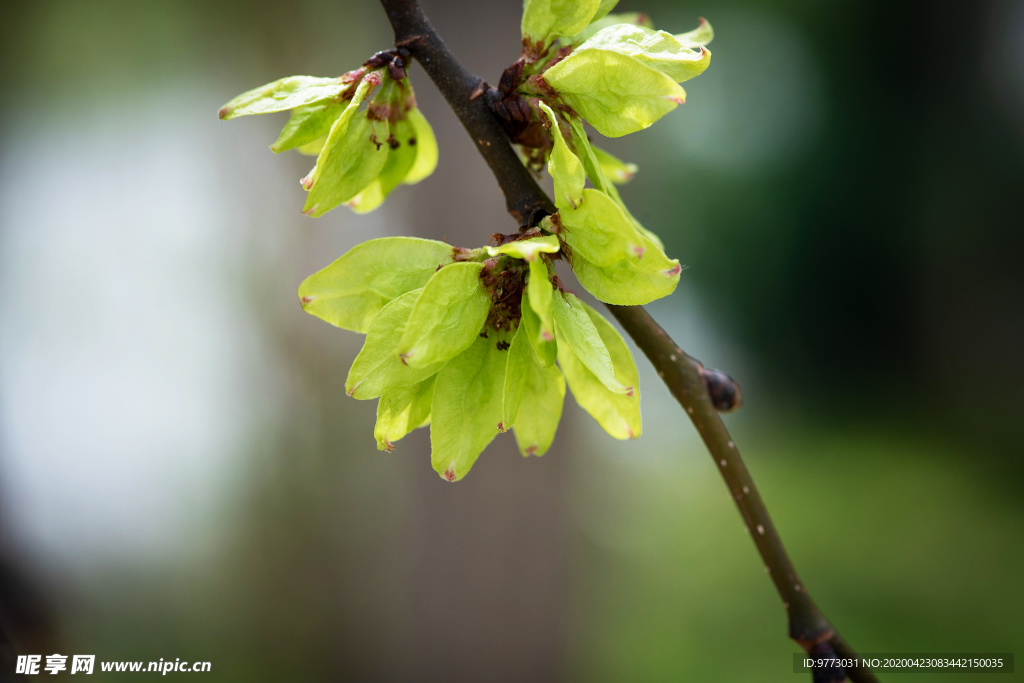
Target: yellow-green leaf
576,332
520,356
466,408
412,158
308,124
617,263
283,94
426,147
527,249
603,9
699,36
312,149
656,49
565,169
349,292
350,160
588,156
600,231
378,369
400,411
626,283
546,20
635,18
614,169
400,161
540,293
595,172
540,409
618,414
448,316
616,93
542,339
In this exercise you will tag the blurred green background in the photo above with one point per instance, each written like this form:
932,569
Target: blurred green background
181,475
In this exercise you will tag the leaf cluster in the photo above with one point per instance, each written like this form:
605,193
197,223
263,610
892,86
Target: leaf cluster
364,128
475,342
436,353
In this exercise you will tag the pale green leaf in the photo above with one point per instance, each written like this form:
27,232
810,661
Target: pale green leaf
576,332
308,124
400,411
349,292
286,93
618,414
400,161
635,18
350,159
603,9
448,316
588,155
545,20
312,149
540,408
348,163
372,196
467,407
613,192
617,94
616,262
527,249
653,237
378,368
543,341
520,357
533,394
699,36
614,169
564,167
626,283
596,174
657,49
412,158
426,147
540,293
600,231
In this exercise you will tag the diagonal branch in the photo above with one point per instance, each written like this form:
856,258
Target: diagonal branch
465,94
683,375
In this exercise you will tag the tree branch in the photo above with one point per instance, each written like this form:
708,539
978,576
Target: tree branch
466,95
528,203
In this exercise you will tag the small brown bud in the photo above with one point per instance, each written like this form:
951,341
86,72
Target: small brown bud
724,390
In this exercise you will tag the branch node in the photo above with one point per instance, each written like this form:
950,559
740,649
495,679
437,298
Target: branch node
479,90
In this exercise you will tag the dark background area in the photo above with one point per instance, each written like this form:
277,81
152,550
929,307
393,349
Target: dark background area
181,474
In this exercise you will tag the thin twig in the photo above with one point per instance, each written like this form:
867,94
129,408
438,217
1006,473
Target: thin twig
527,203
